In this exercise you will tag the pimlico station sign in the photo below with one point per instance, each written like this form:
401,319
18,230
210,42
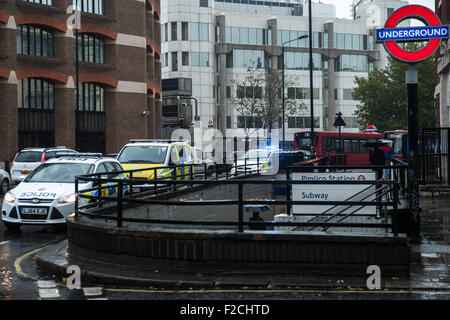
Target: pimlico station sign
433,33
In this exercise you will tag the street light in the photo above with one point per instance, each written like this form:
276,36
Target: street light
77,65
311,88
283,102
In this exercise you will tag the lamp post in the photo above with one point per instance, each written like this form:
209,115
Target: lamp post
311,91
77,68
283,82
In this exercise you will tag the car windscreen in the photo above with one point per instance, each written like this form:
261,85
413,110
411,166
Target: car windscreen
59,172
29,156
53,154
143,154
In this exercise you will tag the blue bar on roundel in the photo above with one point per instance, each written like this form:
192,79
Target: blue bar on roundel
417,33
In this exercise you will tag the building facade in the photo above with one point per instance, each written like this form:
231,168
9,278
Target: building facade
442,92
214,41
119,74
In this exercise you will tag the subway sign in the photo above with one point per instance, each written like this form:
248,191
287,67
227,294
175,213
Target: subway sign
433,31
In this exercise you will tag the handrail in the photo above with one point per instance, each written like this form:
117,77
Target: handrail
120,199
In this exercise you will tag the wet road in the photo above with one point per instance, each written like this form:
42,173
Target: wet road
19,279
12,246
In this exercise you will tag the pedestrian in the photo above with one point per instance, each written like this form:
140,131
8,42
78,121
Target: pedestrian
377,159
387,158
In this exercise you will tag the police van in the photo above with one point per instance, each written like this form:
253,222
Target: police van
47,195
154,153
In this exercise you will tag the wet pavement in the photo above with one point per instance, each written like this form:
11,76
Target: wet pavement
431,258
429,280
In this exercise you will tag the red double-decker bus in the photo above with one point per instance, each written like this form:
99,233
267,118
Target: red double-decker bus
350,146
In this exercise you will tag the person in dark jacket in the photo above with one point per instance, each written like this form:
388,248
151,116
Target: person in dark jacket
377,159
387,158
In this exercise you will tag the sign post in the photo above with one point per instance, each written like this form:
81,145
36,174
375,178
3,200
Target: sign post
412,77
433,32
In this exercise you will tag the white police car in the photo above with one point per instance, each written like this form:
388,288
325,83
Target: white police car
255,160
47,195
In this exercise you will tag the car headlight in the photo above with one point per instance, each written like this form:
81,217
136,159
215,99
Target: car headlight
10,198
71,198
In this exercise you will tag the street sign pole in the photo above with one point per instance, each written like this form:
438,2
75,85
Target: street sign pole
433,31
413,159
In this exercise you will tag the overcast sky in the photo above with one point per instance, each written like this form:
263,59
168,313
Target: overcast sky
343,7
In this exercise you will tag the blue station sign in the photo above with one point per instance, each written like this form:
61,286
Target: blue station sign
417,33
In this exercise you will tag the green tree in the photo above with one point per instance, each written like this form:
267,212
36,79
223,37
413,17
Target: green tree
383,95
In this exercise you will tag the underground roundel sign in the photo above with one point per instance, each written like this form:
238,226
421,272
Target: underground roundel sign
433,31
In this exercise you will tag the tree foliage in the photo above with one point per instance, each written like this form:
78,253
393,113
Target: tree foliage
383,95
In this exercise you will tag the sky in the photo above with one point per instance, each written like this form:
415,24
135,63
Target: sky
343,7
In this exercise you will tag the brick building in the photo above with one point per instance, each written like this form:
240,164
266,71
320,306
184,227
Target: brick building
442,92
119,74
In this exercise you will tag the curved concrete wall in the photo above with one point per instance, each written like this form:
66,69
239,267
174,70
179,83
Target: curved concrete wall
391,253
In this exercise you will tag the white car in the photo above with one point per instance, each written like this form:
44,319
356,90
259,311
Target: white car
5,181
29,159
47,195
254,160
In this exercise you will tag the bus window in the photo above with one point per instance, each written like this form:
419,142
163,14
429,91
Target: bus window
362,146
326,142
347,146
355,146
339,144
303,140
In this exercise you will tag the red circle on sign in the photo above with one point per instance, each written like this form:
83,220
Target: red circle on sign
421,13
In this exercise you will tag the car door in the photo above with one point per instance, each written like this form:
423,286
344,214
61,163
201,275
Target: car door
174,160
104,175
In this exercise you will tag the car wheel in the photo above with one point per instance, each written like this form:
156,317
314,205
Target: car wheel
12,226
4,186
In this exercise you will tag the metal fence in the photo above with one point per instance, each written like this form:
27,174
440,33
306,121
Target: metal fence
434,160
386,199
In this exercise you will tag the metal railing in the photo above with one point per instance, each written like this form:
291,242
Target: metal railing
387,198
434,157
